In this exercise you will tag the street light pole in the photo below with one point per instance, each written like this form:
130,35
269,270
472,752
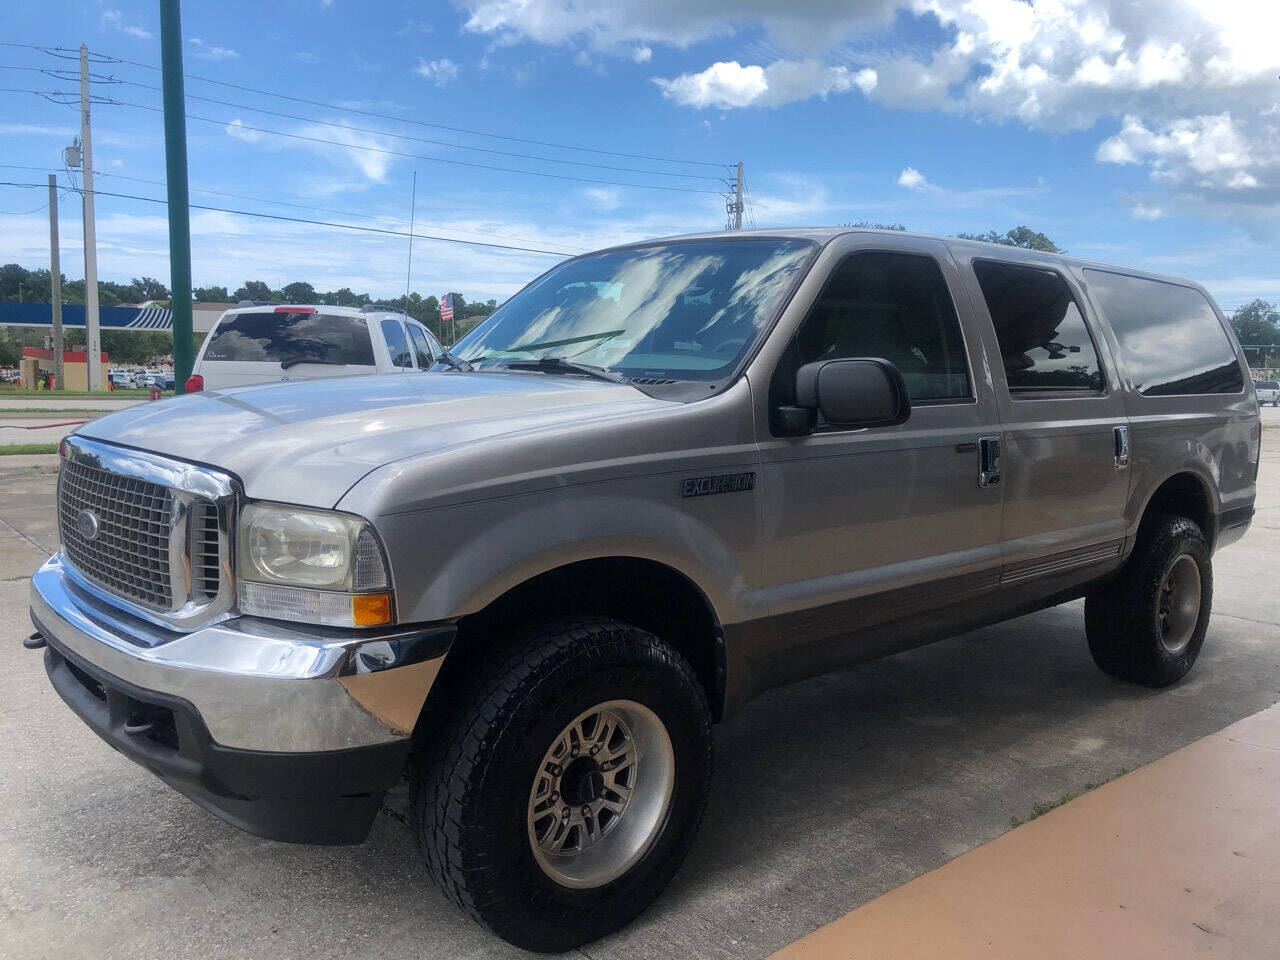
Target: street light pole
175,155
55,283
92,339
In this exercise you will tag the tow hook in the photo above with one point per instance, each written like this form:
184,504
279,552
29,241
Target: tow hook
34,642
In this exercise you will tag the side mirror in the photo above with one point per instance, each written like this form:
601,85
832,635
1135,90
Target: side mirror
865,392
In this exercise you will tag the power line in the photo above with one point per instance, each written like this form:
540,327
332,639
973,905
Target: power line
23,213
405,136
62,52
320,223
417,156
300,206
370,149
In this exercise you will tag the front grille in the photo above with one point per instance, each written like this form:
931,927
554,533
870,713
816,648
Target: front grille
206,573
130,553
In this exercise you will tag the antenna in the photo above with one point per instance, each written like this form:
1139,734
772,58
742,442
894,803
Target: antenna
413,205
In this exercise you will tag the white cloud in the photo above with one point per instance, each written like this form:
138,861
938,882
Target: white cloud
1210,152
729,84
642,54
439,72
236,131
803,25
1058,65
114,20
1145,211
603,198
912,179
204,51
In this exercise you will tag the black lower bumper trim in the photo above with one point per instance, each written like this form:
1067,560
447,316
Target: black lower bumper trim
321,798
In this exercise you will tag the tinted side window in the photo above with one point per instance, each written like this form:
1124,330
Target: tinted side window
421,347
397,345
281,336
896,307
1170,337
1044,343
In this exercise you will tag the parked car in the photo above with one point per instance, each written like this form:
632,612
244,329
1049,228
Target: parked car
120,378
660,480
1268,391
269,343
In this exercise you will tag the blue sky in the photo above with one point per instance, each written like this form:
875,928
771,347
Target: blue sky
1139,133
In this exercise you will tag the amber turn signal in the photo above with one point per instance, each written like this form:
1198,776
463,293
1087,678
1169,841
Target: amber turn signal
371,609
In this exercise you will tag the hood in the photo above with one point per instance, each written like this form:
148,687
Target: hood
309,441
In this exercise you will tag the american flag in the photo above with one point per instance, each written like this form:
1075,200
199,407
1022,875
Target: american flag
446,307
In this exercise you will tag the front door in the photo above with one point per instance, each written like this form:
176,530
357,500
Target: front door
871,526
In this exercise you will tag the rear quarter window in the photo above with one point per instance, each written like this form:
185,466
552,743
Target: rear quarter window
1171,340
278,337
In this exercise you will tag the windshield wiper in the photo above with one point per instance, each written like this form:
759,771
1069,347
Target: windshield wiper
294,361
543,344
455,362
561,365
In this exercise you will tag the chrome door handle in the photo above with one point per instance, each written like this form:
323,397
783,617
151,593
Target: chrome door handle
988,461
1120,441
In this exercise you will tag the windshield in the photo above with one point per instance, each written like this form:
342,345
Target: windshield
679,311
282,337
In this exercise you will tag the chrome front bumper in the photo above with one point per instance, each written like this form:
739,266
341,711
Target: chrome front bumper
256,684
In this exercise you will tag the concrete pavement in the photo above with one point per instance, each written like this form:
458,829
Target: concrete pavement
1180,860
826,794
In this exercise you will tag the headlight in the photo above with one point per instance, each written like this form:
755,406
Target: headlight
314,566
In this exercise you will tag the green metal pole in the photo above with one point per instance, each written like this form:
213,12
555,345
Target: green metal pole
175,156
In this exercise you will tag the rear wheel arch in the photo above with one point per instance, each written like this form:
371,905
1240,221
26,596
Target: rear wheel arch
1183,494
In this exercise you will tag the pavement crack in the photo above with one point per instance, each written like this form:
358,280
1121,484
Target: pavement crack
1236,616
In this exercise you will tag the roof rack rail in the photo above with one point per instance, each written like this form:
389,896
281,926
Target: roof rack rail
257,303
381,308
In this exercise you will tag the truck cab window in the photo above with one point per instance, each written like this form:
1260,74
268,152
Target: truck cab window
895,307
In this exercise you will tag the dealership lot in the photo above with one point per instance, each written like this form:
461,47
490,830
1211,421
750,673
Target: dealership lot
826,794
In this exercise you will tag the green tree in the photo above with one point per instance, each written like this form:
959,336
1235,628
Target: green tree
298,292
1257,322
872,225
211,294
1023,237
254,290
150,289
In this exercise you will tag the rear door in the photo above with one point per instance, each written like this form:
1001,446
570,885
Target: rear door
399,351
421,347
1065,426
285,343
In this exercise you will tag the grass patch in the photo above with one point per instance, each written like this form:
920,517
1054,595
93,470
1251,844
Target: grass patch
15,449
41,411
1040,809
54,394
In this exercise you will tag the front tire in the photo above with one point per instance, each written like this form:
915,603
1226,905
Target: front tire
1147,625
563,797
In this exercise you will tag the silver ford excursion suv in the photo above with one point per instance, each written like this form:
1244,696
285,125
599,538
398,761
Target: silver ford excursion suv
661,479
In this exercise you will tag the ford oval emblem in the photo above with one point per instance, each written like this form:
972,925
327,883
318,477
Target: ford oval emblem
87,525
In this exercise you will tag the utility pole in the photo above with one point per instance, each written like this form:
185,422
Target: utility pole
733,204
55,283
413,209
175,157
737,201
92,339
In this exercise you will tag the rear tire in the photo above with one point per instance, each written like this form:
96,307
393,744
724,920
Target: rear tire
1148,624
609,716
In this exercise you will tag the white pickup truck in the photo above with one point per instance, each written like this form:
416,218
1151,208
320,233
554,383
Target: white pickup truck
267,343
1268,391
